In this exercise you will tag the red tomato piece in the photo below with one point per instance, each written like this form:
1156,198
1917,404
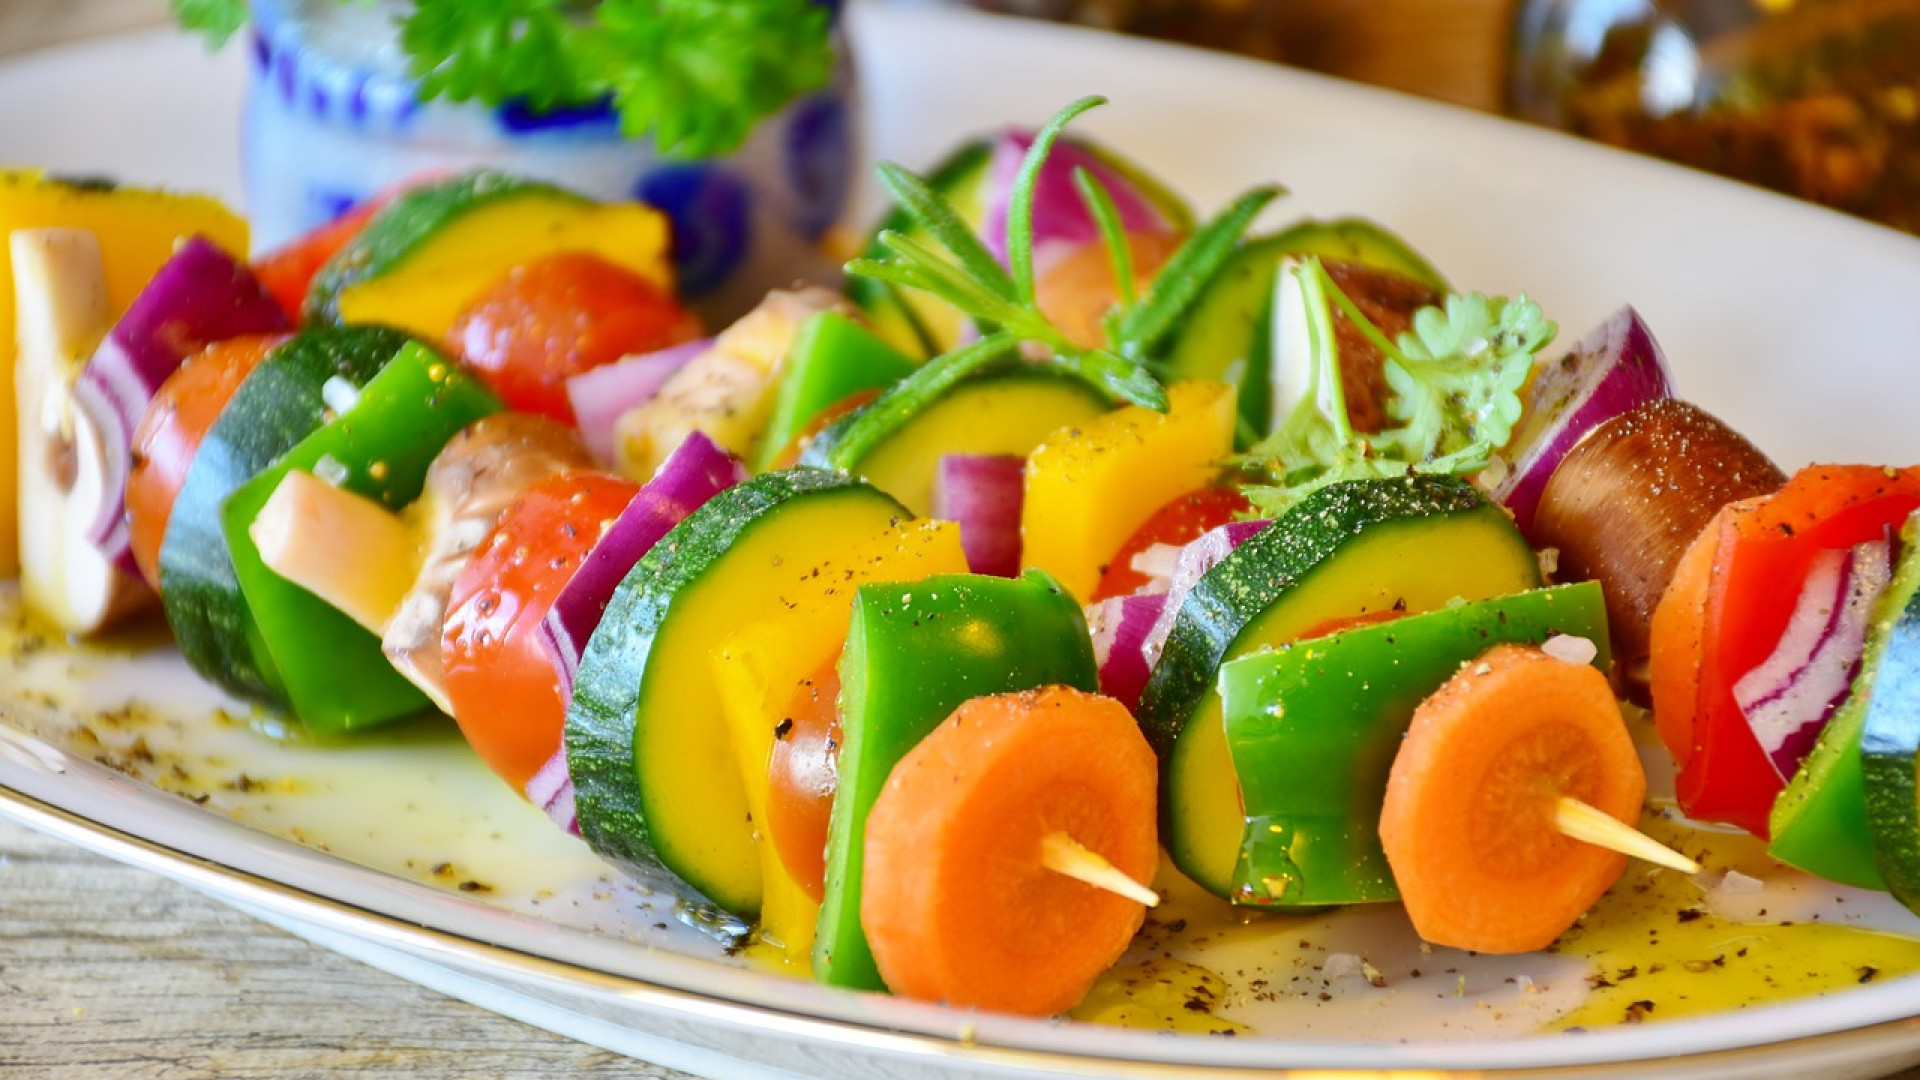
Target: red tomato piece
501,679
287,272
802,775
551,319
1762,562
170,433
1180,522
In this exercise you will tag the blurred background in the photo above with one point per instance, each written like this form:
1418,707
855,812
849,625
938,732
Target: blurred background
1816,98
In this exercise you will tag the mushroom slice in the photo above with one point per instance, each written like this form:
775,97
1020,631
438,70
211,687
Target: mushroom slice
470,484
60,297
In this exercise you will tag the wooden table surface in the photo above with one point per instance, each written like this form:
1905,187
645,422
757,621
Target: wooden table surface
112,973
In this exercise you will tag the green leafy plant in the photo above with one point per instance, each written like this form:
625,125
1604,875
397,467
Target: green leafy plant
1001,298
1455,382
696,74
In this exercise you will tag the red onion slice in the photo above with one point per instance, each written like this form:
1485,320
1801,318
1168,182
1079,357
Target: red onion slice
1196,558
1615,369
1790,695
600,396
199,296
1061,220
1120,626
551,789
696,471
984,493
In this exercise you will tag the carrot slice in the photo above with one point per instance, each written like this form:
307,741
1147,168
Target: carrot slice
1469,824
957,901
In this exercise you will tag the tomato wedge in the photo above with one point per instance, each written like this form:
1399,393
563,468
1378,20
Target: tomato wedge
170,433
551,319
501,678
1182,521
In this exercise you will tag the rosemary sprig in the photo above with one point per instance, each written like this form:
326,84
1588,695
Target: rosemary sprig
1002,298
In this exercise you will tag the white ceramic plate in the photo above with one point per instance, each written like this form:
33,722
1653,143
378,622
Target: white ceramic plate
1796,325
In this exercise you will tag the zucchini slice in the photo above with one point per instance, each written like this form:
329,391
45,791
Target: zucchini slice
425,255
897,440
279,404
1890,736
656,780
1412,544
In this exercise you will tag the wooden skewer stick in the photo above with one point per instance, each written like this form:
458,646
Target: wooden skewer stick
1582,822
1062,854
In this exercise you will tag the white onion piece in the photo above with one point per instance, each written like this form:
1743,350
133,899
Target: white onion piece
1120,626
1613,370
696,471
198,296
600,396
984,493
1195,560
1157,562
1788,697
1061,220
551,789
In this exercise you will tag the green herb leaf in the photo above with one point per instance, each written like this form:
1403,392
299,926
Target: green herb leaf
1455,382
496,51
217,19
933,213
1179,282
700,73
697,74
1020,205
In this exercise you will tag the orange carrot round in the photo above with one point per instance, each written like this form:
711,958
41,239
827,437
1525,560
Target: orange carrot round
957,903
1469,820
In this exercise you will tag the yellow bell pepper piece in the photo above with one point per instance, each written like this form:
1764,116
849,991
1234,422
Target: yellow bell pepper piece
1088,488
138,230
762,666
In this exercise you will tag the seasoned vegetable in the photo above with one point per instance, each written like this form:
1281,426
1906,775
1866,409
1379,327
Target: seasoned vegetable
656,780
378,442
914,654
137,229
1626,501
959,901
1313,727
551,318
1471,819
1090,486
427,254
1411,544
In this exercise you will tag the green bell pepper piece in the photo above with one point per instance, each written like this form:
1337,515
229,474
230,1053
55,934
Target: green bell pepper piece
1313,728
914,653
335,675
832,357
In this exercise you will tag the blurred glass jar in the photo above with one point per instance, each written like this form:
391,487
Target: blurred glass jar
1815,98
332,117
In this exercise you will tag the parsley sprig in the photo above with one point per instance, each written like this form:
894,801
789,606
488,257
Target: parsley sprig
697,74
1456,380
1001,299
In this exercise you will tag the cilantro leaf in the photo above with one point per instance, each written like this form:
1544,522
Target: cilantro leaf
1455,382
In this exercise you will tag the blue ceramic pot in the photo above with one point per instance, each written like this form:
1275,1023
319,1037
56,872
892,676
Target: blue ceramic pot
332,118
